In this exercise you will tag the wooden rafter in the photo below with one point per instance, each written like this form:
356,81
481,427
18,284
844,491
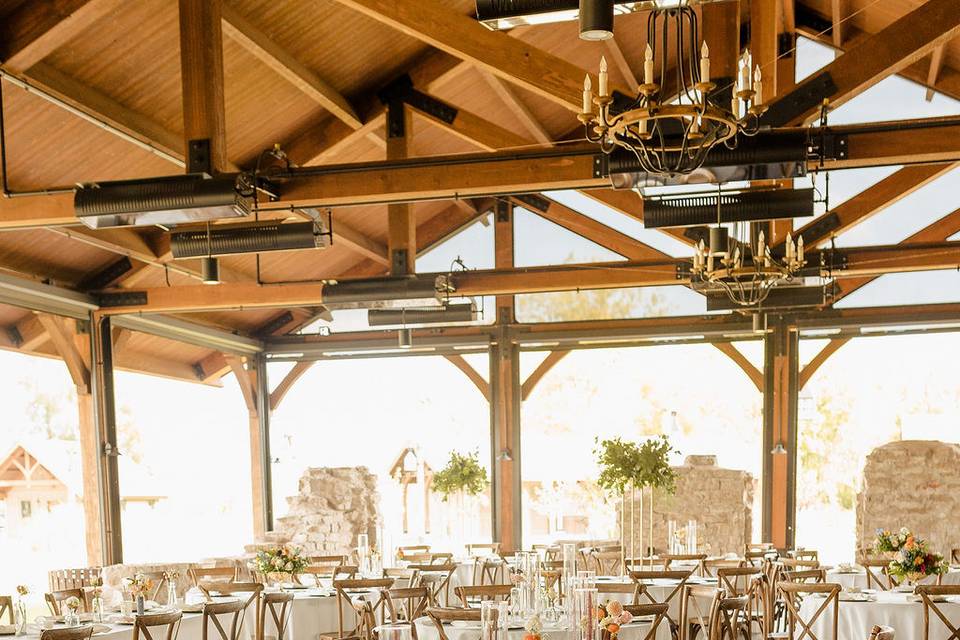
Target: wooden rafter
433,22
278,394
936,64
755,375
360,243
885,53
286,65
245,380
472,374
517,107
620,62
36,29
474,129
837,15
401,221
542,369
811,368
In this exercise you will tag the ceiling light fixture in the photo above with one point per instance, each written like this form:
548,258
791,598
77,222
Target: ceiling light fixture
596,20
673,136
210,270
405,338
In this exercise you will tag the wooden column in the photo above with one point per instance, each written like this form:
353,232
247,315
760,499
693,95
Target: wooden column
252,378
201,77
402,224
505,400
105,419
721,30
781,390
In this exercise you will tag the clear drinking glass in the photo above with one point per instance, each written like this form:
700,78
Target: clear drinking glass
399,631
490,620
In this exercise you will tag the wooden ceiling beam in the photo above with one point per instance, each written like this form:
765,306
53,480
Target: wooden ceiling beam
885,53
837,14
201,78
37,29
476,130
359,243
245,380
936,64
30,333
258,44
872,200
520,111
280,392
460,35
765,21
588,228
62,338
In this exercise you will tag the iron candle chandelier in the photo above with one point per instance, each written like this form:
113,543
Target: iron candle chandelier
672,131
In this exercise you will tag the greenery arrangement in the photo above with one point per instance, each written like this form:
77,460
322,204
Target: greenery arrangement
280,560
888,542
462,473
645,465
914,561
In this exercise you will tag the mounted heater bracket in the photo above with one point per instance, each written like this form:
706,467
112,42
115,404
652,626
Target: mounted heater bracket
744,206
402,91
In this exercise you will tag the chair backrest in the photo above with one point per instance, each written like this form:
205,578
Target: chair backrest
61,579
737,581
794,564
731,613
233,588
698,605
55,599
436,577
754,558
792,594
929,594
68,633
231,612
333,561
6,606
278,607
807,576
483,549
489,570
406,604
877,576
680,576
222,574
670,558
440,615
482,592
805,554
405,552
402,576
620,588
144,623
658,611
710,567
366,610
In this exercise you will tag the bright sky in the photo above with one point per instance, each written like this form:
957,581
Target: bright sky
195,438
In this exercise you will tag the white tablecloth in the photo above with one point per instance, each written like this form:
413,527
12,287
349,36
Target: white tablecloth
894,609
634,631
191,628
858,579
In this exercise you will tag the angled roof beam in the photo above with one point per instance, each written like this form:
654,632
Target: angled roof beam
520,110
460,35
37,29
936,64
884,53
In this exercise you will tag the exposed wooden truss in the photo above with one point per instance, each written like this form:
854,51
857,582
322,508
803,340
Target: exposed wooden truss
811,367
542,369
755,375
472,374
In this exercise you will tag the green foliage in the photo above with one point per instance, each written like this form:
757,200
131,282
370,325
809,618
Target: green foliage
625,463
462,473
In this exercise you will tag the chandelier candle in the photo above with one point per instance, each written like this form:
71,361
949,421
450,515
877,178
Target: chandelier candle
704,62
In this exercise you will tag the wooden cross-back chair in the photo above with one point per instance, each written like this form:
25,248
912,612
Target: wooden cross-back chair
606,563
738,581
680,576
403,577
658,611
319,567
695,616
440,615
929,594
793,564
670,558
755,558
876,570
169,620
483,549
436,577
232,588
793,593
549,552
55,599
366,607
731,620
211,574
710,567
278,608
407,604
805,554
68,633
489,570
412,550
215,614
634,591
479,593
806,576
6,606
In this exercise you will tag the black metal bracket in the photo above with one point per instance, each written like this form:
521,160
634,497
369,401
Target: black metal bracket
533,201
401,91
684,270
198,371
820,228
399,262
396,119
503,210
15,336
106,276
274,325
198,157
601,165
829,146
808,95
122,299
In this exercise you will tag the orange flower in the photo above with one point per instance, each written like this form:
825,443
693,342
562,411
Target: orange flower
613,627
909,544
918,560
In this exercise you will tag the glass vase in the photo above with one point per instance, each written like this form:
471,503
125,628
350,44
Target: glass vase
71,618
587,628
171,593
96,604
140,607
20,617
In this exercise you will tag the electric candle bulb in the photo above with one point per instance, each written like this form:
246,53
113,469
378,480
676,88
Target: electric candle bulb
761,250
587,95
648,65
789,246
757,87
704,62
603,77
800,249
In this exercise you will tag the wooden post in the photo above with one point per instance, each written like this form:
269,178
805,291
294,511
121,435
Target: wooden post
402,225
505,399
201,77
88,466
105,419
253,386
781,390
721,31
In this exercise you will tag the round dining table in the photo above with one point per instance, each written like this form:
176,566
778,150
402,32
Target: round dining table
855,618
637,630
856,577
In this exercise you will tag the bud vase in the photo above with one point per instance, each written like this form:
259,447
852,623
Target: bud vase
139,605
171,594
20,617
96,604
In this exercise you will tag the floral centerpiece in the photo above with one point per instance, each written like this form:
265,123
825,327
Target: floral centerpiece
20,610
170,576
612,616
914,561
72,617
139,586
96,599
280,561
888,543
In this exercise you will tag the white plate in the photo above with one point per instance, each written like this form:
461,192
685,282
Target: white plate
99,629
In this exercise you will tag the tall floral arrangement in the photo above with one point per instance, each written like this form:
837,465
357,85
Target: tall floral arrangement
462,473
626,463
914,561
